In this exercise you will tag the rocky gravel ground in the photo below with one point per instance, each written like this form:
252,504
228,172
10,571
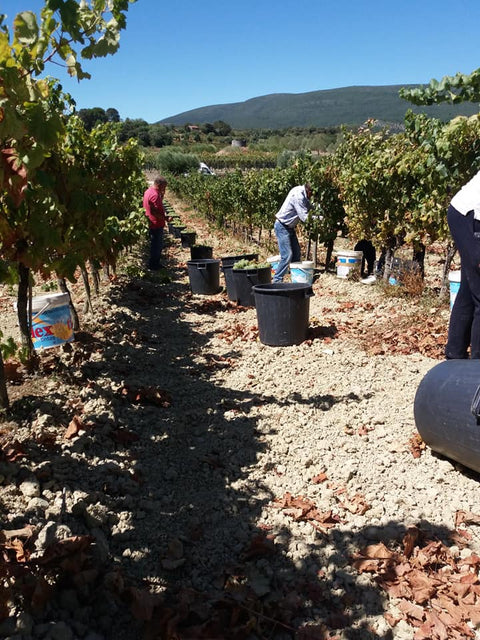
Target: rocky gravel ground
168,476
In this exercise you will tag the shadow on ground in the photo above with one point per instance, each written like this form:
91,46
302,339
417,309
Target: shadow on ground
160,482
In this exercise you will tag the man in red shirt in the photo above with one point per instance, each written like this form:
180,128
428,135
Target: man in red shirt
155,212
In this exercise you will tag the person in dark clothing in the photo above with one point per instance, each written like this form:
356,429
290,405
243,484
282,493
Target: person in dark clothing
369,256
463,217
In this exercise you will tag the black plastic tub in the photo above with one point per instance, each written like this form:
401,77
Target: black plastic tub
283,310
245,279
188,238
204,276
201,252
227,266
177,231
447,411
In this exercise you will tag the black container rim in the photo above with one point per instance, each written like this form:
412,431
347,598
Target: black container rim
243,256
286,288
204,261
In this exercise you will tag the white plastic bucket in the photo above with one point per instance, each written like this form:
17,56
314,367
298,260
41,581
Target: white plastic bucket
302,271
273,262
51,320
454,281
348,261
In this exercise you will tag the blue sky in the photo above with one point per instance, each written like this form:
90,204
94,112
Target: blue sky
179,55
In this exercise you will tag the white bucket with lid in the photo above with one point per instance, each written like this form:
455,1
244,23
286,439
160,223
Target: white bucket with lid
454,278
348,261
302,271
273,262
51,320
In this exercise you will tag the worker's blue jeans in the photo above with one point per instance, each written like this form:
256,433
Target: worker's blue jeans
464,327
288,247
156,246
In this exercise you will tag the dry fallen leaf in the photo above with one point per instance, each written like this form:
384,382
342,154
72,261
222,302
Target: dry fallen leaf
76,425
147,395
416,445
321,477
466,517
143,603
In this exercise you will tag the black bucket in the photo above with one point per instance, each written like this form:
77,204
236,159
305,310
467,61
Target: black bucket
204,276
188,238
447,411
227,266
245,279
177,231
283,310
201,252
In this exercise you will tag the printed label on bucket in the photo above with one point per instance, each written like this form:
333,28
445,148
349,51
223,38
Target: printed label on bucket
454,287
348,261
274,267
52,327
302,272
273,261
454,278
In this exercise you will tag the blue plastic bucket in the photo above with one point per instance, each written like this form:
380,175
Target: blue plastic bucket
302,272
347,262
51,320
273,261
454,280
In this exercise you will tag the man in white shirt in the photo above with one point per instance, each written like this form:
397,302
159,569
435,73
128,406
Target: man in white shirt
464,222
294,209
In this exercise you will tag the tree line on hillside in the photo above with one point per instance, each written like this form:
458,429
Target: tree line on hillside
217,134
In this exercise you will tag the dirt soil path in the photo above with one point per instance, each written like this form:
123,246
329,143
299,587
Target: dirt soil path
169,477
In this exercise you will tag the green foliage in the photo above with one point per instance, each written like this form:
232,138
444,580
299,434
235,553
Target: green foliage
176,163
138,129
396,188
33,111
49,286
327,220
135,271
251,197
455,89
8,347
160,136
260,151
96,116
287,157
69,31
221,128
50,168
72,211
240,159
392,188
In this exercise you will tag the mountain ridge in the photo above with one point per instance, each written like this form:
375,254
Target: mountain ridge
323,108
